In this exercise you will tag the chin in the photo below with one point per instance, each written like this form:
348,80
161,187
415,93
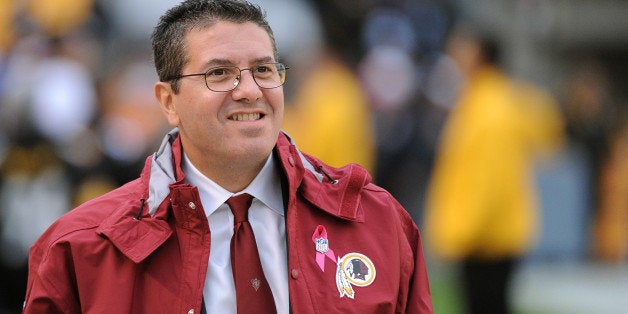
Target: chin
256,146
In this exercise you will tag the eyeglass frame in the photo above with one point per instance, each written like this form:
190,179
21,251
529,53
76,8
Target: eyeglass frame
237,78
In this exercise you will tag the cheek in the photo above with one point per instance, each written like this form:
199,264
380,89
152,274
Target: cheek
280,114
195,109
277,102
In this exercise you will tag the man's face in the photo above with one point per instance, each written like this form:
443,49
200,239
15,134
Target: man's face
207,120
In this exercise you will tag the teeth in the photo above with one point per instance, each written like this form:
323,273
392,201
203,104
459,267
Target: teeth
245,117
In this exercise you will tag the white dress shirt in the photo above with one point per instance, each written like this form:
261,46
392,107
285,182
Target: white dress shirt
266,216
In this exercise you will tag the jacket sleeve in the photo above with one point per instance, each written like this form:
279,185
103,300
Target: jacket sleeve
418,298
50,287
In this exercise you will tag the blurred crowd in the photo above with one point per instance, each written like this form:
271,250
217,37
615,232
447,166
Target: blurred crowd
390,84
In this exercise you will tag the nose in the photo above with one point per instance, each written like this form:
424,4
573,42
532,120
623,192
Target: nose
246,87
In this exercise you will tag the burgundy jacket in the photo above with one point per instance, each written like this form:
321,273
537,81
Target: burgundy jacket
144,247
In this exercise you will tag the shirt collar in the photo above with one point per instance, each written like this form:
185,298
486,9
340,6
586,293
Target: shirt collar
266,187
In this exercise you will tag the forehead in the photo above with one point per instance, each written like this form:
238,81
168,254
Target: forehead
233,42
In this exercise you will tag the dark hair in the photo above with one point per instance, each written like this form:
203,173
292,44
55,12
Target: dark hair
488,41
168,39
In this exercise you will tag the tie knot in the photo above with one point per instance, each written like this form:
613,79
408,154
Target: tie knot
240,206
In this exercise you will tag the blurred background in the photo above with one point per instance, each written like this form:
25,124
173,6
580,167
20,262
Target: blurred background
501,126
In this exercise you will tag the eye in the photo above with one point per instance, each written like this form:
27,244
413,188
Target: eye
264,70
221,74
217,72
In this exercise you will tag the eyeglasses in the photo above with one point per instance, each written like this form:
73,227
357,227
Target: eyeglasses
227,78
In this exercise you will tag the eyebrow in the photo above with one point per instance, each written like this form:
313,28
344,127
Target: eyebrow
221,62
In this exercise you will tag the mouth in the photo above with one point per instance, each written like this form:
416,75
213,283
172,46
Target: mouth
246,116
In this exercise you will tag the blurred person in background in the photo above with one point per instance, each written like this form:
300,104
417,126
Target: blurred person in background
591,119
32,178
610,230
62,100
328,239
47,98
329,114
8,11
408,82
481,207
127,107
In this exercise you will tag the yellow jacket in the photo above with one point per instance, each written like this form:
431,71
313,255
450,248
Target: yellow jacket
330,117
481,199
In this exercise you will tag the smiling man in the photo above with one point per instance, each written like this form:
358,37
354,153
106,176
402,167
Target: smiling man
228,216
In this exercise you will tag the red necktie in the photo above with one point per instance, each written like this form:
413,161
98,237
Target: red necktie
253,293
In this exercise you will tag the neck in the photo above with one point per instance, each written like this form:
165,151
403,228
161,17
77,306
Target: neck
233,175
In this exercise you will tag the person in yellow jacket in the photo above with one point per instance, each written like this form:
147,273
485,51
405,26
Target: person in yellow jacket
481,207
330,116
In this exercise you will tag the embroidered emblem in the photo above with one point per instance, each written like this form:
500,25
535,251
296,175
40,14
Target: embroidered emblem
354,269
321,244
256,283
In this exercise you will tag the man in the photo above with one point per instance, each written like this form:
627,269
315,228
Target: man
161,243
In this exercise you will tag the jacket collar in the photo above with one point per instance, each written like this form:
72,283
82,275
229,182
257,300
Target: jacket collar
335,191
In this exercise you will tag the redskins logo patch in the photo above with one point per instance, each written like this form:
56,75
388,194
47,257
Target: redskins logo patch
354,269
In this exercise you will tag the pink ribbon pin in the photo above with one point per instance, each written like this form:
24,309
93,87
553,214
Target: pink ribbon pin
322,246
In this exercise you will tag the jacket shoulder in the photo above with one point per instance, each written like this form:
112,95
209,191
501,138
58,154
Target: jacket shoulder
90,215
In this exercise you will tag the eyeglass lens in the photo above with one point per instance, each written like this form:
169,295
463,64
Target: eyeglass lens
226,78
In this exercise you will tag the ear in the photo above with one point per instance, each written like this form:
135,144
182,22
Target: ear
165,97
